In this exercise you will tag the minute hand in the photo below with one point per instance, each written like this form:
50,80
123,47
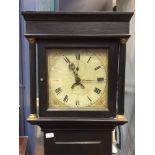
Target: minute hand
89,81
98,80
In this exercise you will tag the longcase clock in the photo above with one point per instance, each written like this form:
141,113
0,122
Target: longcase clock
77,64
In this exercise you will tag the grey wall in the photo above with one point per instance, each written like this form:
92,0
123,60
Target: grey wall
128,130
85,5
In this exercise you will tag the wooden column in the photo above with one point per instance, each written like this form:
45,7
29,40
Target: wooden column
32,59
121,76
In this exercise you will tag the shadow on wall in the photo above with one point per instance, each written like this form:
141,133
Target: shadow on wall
128,130
85,5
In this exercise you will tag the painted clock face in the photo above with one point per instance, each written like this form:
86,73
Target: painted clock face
77,78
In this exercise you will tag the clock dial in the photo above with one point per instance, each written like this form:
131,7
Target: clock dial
78,78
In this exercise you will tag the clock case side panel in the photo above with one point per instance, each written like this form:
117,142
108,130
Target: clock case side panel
110,44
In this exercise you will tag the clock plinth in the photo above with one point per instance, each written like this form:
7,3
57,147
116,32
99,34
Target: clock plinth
78,62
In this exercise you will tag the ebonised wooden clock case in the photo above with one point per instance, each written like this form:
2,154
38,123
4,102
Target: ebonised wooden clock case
77,132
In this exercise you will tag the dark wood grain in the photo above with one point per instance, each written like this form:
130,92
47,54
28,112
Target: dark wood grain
75,27
77,36
80,24
77,30
79,136
78,143
121,79
32,55
77,16
78,132
112,47
76,123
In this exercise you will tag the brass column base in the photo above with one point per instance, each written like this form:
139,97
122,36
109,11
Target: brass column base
120,117
32,117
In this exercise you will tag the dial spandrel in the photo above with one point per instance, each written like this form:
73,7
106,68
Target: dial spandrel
77,78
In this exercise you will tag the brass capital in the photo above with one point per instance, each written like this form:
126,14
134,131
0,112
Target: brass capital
31,40
123,40
32,117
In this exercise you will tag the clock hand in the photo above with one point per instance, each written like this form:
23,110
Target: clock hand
77,81
98,80
71,65
77,84
82,86
77,68
66,59
72,68
77,60
89,81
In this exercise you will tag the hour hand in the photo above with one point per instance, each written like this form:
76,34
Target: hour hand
77,84
82,86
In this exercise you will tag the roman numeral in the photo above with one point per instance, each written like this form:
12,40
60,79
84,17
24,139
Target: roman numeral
96,68
77,102
88,60
100,79
66,59
58,90
96,90
65,98
89,99
77,56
